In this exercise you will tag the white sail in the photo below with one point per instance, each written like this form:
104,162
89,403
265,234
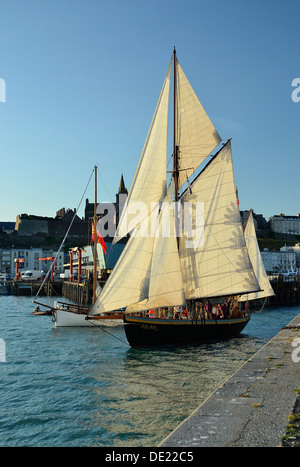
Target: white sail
147,274
196,135
220,264
257,263
129,281
165,286
150,178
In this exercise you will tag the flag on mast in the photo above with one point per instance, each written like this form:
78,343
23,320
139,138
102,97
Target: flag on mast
99,238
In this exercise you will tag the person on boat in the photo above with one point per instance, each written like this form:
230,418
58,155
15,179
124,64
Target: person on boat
170,314
151,313
208,309
184,314
193,314
228,303
219,313
177,312
234,309
224,310
226,307
200,311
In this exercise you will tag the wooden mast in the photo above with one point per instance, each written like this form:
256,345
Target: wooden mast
95,238
175,149
175,172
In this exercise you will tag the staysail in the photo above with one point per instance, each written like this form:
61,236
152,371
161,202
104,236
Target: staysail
165,283
257,263
147,274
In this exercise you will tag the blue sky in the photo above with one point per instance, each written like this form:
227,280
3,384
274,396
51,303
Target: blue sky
83,78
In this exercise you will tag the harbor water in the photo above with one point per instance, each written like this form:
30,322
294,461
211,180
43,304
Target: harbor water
86,387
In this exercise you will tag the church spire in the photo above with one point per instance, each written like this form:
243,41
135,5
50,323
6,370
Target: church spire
122,188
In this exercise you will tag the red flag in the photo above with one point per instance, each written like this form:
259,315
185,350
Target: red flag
99,239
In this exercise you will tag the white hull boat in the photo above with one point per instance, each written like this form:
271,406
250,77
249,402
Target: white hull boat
72,315
64,318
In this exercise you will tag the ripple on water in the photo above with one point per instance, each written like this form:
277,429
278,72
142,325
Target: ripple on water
82,387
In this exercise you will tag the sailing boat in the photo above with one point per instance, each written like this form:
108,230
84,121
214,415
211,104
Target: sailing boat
70,315
165,266
257,263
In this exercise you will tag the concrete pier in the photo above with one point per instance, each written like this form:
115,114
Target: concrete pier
252,408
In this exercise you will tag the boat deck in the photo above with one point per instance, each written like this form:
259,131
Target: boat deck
182,322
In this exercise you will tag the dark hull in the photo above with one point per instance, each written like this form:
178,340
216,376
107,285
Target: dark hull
146,332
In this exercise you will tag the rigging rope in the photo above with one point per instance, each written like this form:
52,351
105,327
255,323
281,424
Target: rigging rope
67,233
265,301
104,330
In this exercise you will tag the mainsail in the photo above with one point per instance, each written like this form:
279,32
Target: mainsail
211,257
257,263
220,265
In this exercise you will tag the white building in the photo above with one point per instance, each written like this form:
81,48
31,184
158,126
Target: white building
8,257
46,263
278,261
285,224
296,250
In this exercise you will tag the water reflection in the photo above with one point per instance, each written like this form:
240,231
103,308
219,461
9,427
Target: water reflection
83,387
148,393
152,390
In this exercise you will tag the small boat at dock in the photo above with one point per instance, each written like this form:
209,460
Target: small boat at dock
73,315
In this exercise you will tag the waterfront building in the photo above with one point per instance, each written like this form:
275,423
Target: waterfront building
285,224
32,261
8,257
296,250
47,256
276,262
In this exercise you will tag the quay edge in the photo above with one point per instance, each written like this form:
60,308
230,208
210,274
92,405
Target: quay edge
251,408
